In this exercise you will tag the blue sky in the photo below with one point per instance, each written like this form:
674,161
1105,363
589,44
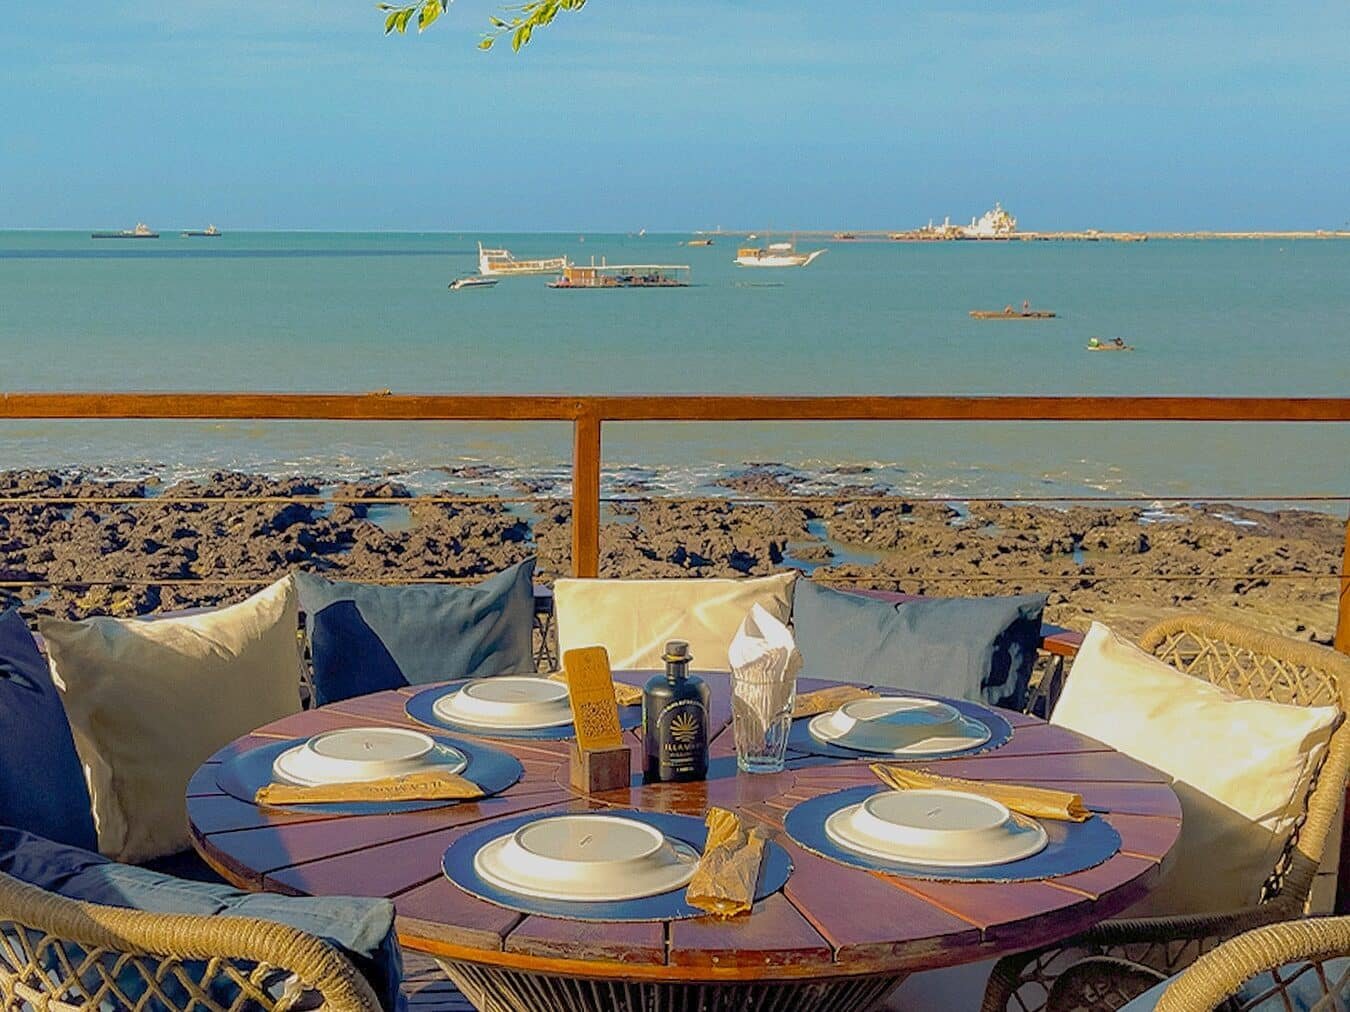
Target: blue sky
676,115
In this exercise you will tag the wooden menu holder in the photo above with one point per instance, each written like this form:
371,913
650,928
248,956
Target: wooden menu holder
600,761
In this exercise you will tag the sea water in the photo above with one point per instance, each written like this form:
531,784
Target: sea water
366,311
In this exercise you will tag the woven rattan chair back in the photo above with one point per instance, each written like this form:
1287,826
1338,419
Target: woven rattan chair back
1259,665
62,955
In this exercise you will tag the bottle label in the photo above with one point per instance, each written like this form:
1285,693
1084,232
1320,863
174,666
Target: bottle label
682,730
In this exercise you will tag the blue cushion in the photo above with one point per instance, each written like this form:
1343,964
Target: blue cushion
1303,989
364,638
42,786
362,928
976,648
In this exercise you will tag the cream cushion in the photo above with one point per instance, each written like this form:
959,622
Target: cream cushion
149,701
1242,768
634,619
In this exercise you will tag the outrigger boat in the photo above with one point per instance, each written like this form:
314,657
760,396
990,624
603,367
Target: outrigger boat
472,281
606,275
501,262
776,254
1008,313
141,231
210,232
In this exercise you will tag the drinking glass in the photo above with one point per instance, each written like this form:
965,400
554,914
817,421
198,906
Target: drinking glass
761,711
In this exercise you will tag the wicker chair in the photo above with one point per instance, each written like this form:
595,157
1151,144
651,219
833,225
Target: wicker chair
1293,953
63,955
1134,952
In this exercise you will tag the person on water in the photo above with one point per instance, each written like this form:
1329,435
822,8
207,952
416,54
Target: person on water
1026,305
1118,342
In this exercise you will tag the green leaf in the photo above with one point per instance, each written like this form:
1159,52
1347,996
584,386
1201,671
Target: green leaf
486,43
390,21
404,16
430,12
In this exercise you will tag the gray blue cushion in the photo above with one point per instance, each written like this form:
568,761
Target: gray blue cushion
362,928
1302,990
364,638
978,648
42,786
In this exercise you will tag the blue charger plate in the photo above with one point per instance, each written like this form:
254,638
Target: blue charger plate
243,775
420,709
1001,732
1073,846
774,871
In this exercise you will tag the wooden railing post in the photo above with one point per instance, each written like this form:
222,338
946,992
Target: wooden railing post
1343,610
586,493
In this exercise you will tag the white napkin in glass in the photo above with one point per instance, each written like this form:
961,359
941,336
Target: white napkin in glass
764,664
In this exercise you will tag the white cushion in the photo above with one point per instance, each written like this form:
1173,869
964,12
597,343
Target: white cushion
148,701
1241,767
634,619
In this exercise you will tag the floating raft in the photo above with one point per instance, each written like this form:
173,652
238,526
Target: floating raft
1003,314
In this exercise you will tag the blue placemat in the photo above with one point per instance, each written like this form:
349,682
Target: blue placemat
1001,732
242,776
1073,846
419,708
458,866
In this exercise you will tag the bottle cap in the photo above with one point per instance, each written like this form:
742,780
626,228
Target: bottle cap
677,650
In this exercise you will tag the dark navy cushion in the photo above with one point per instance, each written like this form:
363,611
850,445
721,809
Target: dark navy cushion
976,648
364,638
362,928
42,786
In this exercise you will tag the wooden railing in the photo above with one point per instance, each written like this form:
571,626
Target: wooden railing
587,414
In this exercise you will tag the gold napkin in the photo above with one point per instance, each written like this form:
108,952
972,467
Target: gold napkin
430,786
809,704
1038,802
725,879
624,695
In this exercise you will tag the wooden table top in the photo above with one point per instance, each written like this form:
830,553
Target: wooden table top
829,919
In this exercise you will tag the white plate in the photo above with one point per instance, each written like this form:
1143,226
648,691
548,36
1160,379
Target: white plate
353,755
588,859
507,703
944,829
899,725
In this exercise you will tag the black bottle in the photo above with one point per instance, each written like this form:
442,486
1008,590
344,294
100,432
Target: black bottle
675,721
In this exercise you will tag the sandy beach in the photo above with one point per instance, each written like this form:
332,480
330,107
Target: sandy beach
157,549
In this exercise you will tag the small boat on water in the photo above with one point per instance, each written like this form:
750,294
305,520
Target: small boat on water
1115,344
471,281
1008,313
775,254
844,236
210,232
141,231
606,275
501,262
699,242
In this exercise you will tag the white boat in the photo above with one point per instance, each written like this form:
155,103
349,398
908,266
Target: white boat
472,281
776,254
501,262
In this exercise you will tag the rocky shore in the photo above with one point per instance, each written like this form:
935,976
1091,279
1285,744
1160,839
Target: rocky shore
134,547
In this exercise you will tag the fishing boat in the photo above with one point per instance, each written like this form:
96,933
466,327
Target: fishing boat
775,254
607,275
501,262
1008,313
699,242
1115,344
210,232
141,231
471,281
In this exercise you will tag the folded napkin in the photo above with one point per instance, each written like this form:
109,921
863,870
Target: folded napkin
824,700
727,873
1038,802
624,695
764,664
430,786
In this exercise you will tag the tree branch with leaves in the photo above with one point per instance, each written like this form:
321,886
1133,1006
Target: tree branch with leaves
519,23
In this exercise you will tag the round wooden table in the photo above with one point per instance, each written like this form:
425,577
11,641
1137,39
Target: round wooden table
835,938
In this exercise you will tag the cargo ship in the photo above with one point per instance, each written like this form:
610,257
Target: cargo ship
501,262
141,231
210,232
